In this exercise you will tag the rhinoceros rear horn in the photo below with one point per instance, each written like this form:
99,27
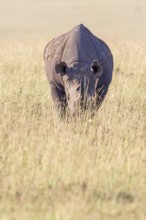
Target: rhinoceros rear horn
96,68
61,68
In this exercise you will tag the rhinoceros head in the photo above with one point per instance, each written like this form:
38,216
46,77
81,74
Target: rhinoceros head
80,82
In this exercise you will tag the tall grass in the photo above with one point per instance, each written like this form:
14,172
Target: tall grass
80,168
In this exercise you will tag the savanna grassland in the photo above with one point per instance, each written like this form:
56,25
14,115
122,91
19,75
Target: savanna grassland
80,168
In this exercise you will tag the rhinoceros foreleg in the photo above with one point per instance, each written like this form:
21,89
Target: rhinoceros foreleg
59,98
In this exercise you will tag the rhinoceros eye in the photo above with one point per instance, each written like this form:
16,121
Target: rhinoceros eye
61,68
96,68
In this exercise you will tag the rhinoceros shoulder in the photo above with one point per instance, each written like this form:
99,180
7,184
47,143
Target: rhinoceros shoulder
51,49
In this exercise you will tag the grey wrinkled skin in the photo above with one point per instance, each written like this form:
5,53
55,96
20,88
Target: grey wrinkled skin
79,68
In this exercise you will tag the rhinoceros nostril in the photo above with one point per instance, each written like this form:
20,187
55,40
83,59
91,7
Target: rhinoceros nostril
68,97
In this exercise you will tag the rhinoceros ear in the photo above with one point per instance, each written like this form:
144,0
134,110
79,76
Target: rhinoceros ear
96,68
61,68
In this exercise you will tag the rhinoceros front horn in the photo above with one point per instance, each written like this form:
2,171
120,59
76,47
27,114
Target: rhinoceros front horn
96,68
61,68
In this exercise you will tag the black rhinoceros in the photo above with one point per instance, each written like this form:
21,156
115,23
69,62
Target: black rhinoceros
79,69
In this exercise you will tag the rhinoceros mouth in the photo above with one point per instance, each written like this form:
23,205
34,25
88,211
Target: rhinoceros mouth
78,102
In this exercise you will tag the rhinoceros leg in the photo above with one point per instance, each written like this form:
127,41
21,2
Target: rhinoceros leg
58,97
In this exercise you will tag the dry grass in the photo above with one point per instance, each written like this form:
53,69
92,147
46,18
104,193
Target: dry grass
81,168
